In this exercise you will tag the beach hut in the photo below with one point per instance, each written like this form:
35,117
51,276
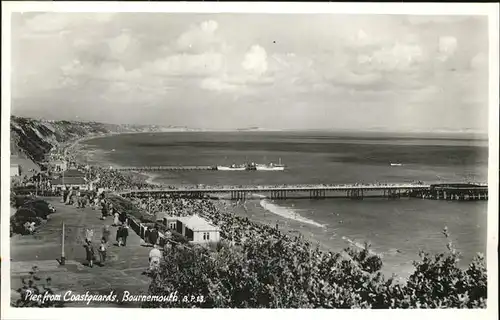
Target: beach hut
197,229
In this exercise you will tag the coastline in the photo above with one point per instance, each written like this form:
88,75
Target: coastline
80,156
247,209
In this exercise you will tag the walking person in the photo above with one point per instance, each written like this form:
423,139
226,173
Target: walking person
116,221
106,233
119,233
90,254
147,231
124,235
110,209
89,234
104,212
122,217
85,200
78,199
153,236
102,251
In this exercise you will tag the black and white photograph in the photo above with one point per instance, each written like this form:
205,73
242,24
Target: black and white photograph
261,159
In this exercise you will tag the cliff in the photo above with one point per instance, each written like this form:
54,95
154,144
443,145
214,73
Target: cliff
34,138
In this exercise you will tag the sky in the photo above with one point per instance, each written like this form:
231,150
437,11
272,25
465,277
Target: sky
223,71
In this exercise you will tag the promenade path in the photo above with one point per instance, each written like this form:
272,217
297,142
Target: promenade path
122,270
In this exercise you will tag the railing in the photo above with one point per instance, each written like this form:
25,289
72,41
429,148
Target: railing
140,229
165,168
283,188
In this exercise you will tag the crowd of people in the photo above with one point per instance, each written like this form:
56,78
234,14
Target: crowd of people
234,229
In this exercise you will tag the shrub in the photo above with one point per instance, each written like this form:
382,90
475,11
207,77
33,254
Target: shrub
438,282
33,285
40,207
21,200
280,273
31,211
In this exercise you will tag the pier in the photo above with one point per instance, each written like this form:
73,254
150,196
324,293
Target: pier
349,191
166,168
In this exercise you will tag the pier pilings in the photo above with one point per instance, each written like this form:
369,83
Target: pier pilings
278,194
317,194
238,195
460,192
355,194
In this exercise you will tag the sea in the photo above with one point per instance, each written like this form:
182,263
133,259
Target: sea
395,229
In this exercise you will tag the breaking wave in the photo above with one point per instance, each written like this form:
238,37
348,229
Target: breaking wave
287,213
358,245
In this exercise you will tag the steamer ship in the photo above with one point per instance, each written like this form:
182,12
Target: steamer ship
253,166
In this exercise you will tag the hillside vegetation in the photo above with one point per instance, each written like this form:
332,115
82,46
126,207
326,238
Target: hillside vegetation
35,138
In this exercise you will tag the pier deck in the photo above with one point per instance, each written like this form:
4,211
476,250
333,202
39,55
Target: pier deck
166,168
352,191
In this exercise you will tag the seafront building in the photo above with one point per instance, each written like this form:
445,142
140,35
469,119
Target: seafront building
70,179
61,183
15,170
194,228
197,229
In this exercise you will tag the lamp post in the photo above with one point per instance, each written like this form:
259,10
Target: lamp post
63,258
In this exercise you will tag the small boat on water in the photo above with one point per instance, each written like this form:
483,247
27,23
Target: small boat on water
396,164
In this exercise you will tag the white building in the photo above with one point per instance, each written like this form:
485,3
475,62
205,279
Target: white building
197,229
70,183
15,170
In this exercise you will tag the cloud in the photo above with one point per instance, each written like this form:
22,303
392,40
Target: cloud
254,66
447,47
428,19
119,44
255,60
187,64
117,60
209,26
479,61
399,57
217,84
201,38
50,23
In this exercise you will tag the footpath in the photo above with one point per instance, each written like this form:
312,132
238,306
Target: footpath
122,270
